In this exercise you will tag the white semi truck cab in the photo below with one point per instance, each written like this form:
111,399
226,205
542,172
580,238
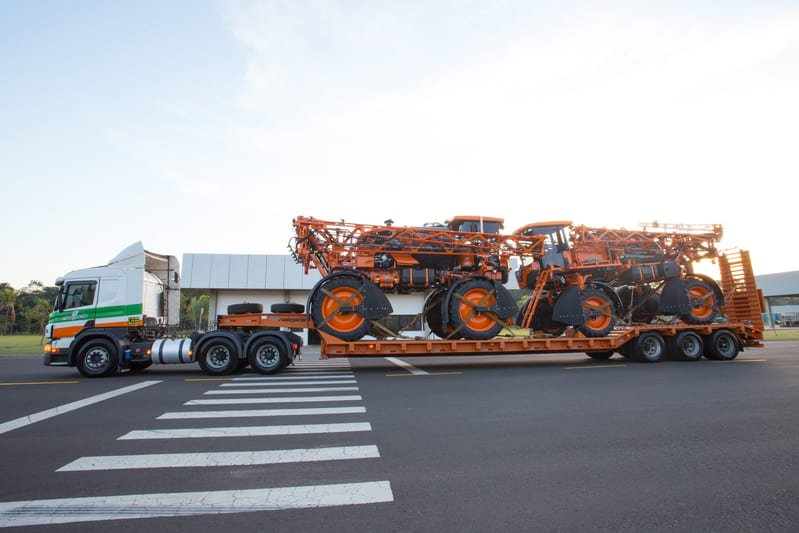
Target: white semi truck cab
125,315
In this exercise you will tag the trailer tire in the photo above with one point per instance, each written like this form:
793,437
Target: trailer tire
603,355
218,357
287,308
685,346
244,308
721,345
98,358
648,347
267,356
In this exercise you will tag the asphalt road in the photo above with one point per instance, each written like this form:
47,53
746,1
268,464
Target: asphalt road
511,443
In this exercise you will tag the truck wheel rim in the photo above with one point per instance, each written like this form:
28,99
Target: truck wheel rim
651,348
218,357
267,356
471,299
725,346
596,308
691,346
97,358
701,299
342,321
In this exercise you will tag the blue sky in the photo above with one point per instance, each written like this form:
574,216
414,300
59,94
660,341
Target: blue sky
206,126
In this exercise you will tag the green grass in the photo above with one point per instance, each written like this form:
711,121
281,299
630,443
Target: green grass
21,345
780,335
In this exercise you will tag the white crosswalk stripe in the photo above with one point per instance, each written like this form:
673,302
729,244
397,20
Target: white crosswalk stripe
129,506
286,383
282,399
247,458
246,431
262,412
265,390
291,378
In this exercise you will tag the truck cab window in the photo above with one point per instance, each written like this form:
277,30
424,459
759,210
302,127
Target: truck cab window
79,294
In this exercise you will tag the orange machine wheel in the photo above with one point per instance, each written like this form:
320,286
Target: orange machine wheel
702,299
465,317
328,301
600,313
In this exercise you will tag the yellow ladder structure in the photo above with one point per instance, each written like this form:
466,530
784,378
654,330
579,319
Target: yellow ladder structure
743,302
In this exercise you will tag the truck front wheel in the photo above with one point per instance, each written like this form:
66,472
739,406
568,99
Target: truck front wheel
98,358
218,357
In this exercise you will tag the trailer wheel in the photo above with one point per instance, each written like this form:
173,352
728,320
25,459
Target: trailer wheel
685,346
600,313
218,357
98,358
648,347
702,300
721,345
267,356
607,354
468,315
335,294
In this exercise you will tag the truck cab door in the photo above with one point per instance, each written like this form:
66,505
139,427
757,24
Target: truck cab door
75,308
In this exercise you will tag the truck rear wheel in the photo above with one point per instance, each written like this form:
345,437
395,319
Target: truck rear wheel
648,347
267,356
685,346
467,313
721,345
219,357
98,358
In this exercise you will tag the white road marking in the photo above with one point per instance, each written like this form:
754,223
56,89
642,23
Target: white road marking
207,459
289,378
279,383
407,366
287,399
246,431
317,372
243,413
281,389
72,406
129,506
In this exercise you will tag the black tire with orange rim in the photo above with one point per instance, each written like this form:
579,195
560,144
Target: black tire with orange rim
467,310
599,311
702,299
327,303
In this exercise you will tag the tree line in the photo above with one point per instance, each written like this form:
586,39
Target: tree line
26,310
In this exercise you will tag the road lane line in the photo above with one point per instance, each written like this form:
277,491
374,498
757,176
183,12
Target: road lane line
72,406
169,504
208,379
243,413
287,399
289,383
279,390
407,366
316,372
591,366
10,383
246,431
209,459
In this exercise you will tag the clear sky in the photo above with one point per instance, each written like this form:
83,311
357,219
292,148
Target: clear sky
206,126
